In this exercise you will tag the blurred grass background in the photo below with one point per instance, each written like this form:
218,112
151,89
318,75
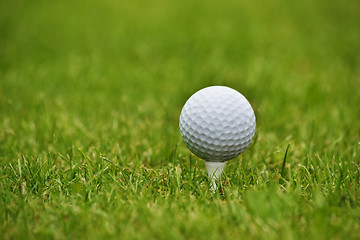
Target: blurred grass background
109,79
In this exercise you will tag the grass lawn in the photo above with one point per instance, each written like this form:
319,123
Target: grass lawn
90,98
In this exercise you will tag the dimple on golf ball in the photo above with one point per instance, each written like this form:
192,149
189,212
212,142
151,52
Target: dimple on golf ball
217,123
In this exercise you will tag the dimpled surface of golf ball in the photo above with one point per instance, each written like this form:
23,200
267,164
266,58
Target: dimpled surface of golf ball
217,123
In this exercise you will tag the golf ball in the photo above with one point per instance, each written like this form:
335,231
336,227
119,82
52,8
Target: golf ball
217,123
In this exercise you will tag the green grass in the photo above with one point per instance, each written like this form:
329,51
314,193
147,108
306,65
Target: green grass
90,96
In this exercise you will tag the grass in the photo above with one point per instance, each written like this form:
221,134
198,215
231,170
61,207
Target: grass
90,96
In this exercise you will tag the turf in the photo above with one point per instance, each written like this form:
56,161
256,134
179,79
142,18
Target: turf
90,96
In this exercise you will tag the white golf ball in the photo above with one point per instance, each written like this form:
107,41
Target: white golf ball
217,123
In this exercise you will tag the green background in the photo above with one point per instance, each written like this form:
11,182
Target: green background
90,96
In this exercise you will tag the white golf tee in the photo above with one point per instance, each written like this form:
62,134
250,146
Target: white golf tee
214,170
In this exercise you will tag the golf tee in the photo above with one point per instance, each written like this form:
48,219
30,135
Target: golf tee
214,170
